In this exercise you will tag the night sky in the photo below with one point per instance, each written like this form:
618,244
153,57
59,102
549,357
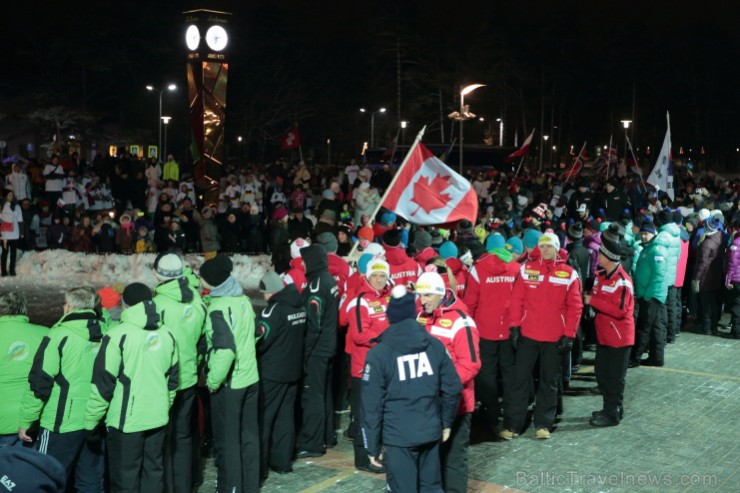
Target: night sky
317,63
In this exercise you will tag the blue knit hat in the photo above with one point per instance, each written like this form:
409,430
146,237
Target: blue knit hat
402,305
531,237
448,250
515,245
495,240
362,262
388,218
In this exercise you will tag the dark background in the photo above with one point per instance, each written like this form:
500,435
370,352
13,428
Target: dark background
577,64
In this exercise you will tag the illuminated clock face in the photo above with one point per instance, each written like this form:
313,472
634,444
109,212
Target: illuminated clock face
192,38
217,38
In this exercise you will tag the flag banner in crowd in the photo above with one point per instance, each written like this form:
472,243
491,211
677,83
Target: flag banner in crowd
522,150
290,139
633,164
662,175
425,191
577,166
607,163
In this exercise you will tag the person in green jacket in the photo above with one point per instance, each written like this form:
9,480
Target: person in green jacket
59,387
232,377
171,169
651,289
133,385
181,309
19,341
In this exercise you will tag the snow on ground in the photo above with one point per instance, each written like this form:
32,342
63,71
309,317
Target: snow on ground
44,276
65,269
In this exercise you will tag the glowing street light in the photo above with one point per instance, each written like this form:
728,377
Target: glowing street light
170,87
464,114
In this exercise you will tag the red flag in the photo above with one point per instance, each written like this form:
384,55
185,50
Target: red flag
290,139
577,165
522,150
425,191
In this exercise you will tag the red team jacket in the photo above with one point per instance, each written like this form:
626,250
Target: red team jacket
340,271
296,274
367,320
612,296
457,330
488,295
404,269
546,301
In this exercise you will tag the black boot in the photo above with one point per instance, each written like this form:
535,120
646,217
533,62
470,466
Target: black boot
602,419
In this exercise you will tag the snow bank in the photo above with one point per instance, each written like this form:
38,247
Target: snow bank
62,268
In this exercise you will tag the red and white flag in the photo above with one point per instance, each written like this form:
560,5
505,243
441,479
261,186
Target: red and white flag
425,191
522,150
290,139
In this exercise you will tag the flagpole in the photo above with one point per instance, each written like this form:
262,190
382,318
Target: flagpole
519,167
628,144
572,166
350,255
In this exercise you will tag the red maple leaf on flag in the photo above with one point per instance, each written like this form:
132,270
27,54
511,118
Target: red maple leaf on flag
428,195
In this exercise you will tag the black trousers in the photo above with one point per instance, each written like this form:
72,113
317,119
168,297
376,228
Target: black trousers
497,358
317,428
136,461
710,310
83,463
454,456
651,330
361,458
528,353
8,246
341,374
413,469
611,369
178,456
673,314
235,421
277,425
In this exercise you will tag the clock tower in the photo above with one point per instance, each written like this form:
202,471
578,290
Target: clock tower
207,40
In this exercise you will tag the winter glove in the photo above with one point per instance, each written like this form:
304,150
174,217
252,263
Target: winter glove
565,344
514,336
695,286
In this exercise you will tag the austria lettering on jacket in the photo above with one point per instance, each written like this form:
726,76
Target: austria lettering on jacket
418,366
407,273
496,279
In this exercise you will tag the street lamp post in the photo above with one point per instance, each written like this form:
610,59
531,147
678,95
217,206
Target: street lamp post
240,139
166,121
328,151
464,114
500,131
626,125
170,87
372,124
404,124
542,149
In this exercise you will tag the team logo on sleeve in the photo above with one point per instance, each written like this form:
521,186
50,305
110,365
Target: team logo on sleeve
562,273
445,322
18,351
153,343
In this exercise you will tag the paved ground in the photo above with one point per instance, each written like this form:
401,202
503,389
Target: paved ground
680,433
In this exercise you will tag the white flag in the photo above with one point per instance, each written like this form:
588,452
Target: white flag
662,175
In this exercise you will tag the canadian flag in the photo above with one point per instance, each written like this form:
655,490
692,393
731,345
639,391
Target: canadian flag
425,191
290,139
522,150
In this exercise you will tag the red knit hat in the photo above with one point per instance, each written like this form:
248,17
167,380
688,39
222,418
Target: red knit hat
366,232
109,297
